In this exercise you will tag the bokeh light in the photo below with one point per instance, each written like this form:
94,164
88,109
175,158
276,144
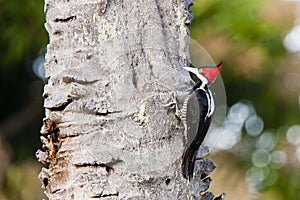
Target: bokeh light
261,158
292,40
38,67
254,125
278,159
266,141
293,135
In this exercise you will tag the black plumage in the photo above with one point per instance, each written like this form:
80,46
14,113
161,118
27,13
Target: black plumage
199,108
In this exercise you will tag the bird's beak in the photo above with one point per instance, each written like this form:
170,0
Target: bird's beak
192,70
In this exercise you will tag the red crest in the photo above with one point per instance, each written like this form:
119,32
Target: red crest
211,72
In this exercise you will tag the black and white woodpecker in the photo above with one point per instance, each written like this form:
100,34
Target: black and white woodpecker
196,114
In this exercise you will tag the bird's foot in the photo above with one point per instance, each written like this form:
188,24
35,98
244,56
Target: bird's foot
173,104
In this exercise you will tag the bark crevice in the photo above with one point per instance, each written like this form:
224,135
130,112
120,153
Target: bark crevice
65,20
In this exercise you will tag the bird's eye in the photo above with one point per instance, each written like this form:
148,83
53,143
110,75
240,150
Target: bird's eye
200,70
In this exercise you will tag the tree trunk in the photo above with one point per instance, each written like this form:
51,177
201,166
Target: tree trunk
112,69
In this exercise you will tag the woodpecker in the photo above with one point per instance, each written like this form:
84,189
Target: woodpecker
197,111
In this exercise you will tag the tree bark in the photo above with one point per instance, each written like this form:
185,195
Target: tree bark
112,69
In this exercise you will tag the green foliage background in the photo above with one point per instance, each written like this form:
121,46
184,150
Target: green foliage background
248,35
241,33
22,36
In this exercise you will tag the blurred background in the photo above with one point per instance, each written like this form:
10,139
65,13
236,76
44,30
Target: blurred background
22,40
258,155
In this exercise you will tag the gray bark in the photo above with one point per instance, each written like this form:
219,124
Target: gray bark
112,67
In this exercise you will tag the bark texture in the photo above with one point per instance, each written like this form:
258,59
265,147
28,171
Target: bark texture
112,67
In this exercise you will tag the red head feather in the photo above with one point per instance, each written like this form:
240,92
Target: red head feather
211,72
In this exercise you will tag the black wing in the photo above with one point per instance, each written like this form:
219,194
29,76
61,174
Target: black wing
198,122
